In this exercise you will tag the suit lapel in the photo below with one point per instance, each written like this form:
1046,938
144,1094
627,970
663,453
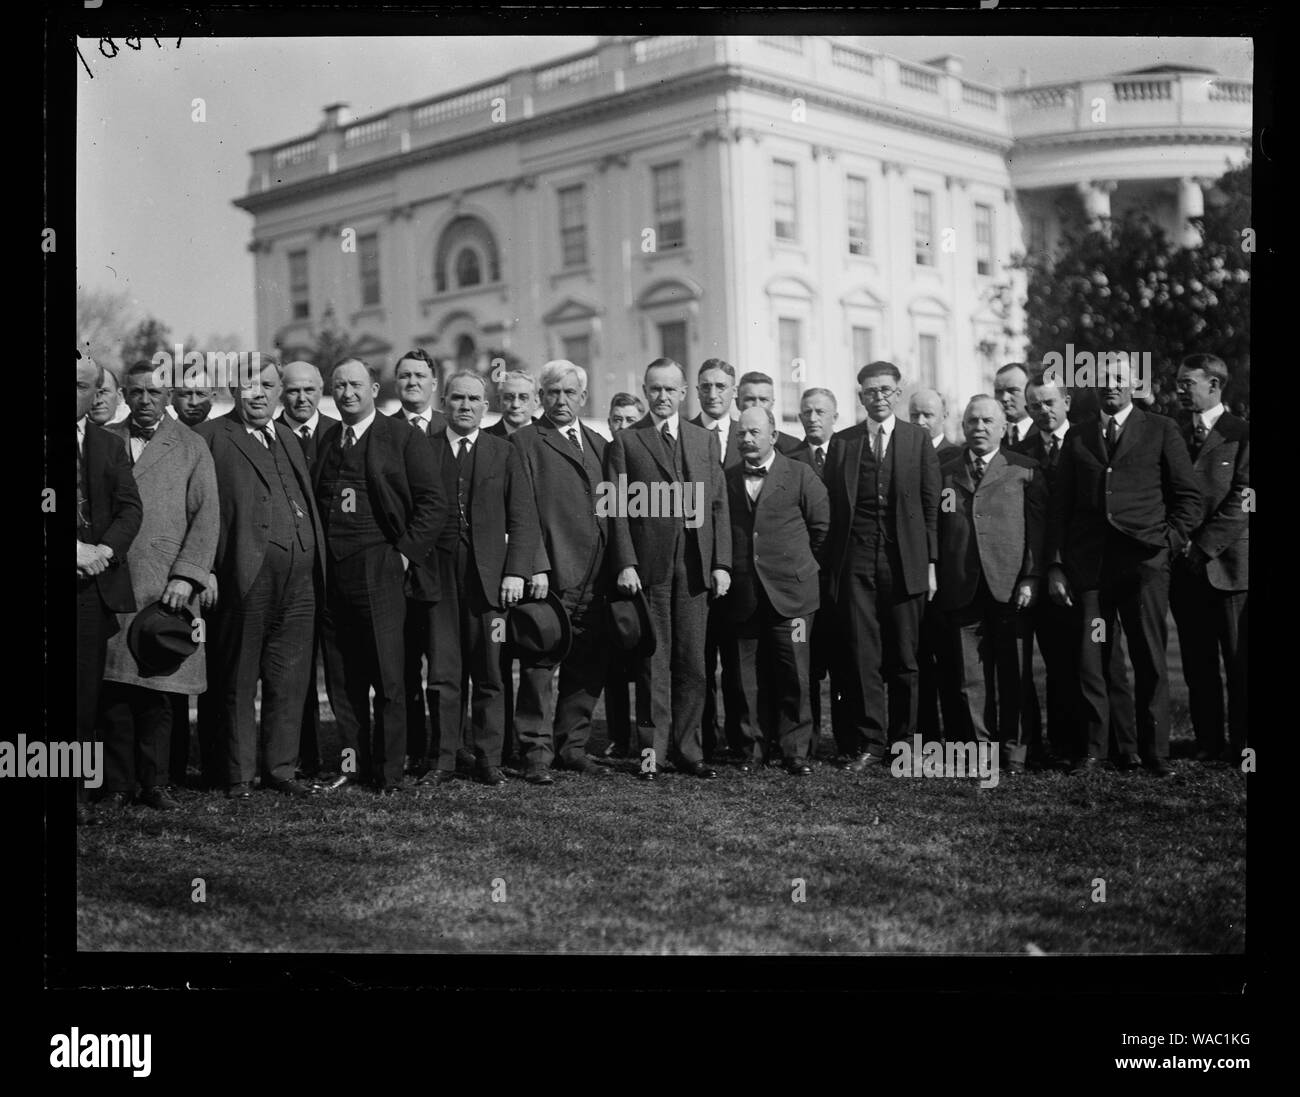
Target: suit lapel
554,437
1212,441
961,475
1092,438
1128,437
995,469
852,459
659,451
163,440
253,451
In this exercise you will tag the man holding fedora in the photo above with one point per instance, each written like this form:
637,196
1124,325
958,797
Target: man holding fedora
169,564
564,461
488,548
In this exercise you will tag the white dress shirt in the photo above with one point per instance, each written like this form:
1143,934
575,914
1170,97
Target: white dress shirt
1209,417
874,428
453,440
312,424
754,484
721,426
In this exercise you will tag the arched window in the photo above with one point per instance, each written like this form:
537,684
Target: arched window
468,271
466,353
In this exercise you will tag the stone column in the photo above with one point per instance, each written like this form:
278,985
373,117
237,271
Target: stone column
1095,194
1191,203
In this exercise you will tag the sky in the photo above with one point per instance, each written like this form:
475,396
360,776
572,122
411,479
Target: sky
154,187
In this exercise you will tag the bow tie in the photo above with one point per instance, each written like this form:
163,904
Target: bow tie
142,432
751,470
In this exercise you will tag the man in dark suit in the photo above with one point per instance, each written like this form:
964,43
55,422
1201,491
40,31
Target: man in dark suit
487,550
991,532
303,388
625,410
382,505
1126,498
1009,387
416,381
715,384
1208,593
756,390
938,677
107,519
780,515
192,400
679,553
883,479
564,462
270,570
818,413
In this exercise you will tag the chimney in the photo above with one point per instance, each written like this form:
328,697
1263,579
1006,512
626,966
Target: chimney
336,116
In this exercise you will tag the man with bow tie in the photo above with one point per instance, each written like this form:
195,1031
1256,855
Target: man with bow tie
991,532
780,515
1126,501
270,569
170,563
1208,592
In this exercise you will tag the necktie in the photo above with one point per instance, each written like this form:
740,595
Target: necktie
268,434
1199,434
417,421
977,473
143,433
304,432
349,438
819,459
1051,451
460,456
1014,431
1112,436
878,447
668,438
572,435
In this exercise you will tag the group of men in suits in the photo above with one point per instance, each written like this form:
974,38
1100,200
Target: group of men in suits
421,555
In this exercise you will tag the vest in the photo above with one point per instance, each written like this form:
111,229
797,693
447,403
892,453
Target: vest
344,500
873,510
290,520
464,482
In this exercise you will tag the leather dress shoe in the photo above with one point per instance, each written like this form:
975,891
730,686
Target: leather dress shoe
329,782
465,760
1157,767
241,791
697,769
796,768
293,788
1086,764
863,761
539,777
1126,763
490,776
436,777
115,802
581,764
158,799
647,775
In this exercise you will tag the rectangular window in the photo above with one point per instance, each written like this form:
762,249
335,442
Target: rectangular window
299,296
573,225
670,221
864,348
983,239
672,341
790,338
1037,232
923,227
785,201
856,216
577,349
368,256
928,355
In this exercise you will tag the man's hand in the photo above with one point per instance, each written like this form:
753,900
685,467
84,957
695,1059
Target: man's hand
89,560
1026,589
512,590
208,596
538,585
405,562
933,576
629,582
176,594
721,582
1058,586
1197,558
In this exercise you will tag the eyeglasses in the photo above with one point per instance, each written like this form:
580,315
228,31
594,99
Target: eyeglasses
879,394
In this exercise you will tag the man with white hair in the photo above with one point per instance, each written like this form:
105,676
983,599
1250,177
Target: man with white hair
928,409
517,395
564,462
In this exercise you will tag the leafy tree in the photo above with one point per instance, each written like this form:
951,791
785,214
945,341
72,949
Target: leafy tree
146,339
103,319
1124,286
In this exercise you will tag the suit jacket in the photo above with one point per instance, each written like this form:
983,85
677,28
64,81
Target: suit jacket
407,496
916,501
245,481
498,429
311,446
646,543
115,512
177,540
502,514
1029,433
437,421
790,520
1147,492
573,536
786,444
804,452
1222,469
945,447
995,530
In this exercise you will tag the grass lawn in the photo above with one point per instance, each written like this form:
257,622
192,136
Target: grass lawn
687,866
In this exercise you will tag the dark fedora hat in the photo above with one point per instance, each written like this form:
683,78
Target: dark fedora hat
540,629
631,629
161,639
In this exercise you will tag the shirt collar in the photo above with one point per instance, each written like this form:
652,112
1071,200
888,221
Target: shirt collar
453,439
767,464
1210,416
710,423
81,427
887,426
426,414
359,429
936,440
313,423
673,421
1059,432
1120,417
986,458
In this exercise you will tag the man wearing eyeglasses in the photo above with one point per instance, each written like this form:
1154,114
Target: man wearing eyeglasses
883,479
